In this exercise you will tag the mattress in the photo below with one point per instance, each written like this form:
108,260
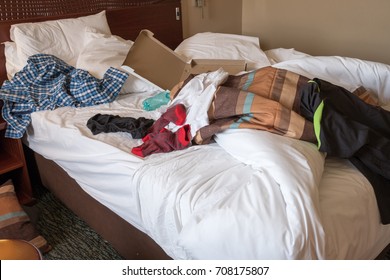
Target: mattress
271,198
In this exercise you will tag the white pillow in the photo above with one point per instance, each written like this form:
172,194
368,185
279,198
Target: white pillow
283,54
347,72
12,63
62,38
102,51
209,45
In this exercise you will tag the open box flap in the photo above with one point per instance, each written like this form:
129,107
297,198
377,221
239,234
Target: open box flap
154,61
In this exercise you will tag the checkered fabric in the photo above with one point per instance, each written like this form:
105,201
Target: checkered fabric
47,83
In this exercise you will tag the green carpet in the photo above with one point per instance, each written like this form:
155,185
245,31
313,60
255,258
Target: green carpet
70,237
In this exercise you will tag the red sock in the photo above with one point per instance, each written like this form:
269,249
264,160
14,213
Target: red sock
165,141
176,114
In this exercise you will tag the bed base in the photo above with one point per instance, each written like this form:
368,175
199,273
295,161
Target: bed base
129,242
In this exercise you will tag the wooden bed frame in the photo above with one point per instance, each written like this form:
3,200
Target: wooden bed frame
126,19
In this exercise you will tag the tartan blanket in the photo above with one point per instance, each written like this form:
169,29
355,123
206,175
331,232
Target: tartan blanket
266,99
46,83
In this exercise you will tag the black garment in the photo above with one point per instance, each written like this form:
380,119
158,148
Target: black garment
340,135
360,132
352,107
138,128
309,100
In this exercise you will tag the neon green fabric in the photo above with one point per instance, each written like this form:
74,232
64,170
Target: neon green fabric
317,122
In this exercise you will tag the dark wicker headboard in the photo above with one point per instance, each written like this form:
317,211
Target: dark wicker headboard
125,17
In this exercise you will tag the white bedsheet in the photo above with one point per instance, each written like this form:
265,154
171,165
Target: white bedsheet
239,198
215,206
62,135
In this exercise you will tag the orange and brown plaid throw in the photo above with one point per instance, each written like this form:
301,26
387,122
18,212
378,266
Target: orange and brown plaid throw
266,99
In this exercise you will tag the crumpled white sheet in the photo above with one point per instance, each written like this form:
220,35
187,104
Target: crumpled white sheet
262,206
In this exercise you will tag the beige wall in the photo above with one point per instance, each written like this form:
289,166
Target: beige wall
356,28
223,16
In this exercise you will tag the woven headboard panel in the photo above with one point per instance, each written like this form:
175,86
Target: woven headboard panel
22,9
125,17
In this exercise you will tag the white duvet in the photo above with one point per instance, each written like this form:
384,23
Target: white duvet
250,195
223,204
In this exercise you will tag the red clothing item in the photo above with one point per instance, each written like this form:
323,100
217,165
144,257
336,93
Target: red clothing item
163,142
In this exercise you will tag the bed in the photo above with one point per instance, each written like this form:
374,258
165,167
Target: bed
272,198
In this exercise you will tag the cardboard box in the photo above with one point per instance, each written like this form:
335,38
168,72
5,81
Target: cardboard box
160,65
205,65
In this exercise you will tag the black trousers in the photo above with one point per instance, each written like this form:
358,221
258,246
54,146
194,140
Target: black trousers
355,130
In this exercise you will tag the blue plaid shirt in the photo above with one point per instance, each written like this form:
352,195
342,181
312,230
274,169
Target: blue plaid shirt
46,83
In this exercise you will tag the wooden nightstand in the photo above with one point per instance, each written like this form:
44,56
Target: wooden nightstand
13,165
